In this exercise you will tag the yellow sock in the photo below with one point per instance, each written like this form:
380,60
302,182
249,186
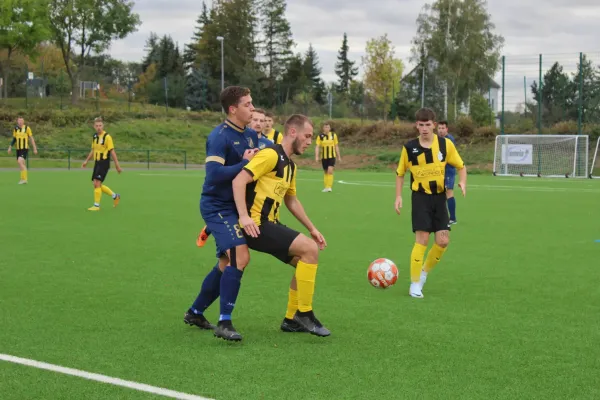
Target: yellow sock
330,180
434,256
24,172
292,306
325,180
97,196
106,190
416,262
21,174
305,277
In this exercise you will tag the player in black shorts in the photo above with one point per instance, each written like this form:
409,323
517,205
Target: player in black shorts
328,148
426,158
266,182
21,137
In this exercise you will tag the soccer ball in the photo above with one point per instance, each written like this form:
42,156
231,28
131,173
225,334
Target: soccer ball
382,273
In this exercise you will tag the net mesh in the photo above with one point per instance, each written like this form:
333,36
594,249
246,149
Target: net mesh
595,167
541,155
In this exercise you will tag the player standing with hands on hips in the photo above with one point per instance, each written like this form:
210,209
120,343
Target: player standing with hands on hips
426,158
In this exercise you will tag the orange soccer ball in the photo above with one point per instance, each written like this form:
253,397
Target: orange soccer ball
382,273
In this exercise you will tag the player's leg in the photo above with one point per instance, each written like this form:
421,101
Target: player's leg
210,291
22,161
325,165
97,193
422,224
442,238
203,236
289,324
449,183
115,196
330,173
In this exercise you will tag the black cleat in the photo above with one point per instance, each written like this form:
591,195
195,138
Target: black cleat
290,325
197,320
311,323
226,331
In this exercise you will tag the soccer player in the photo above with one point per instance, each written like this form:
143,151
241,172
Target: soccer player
257,124
229,147
327,142
272,134
426,158
102,147
450,173
266,182
21,137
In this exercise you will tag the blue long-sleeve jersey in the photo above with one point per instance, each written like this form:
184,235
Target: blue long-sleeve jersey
449,168
225,149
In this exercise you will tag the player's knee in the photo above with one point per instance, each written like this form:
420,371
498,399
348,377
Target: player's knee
310,250
442,241
242,259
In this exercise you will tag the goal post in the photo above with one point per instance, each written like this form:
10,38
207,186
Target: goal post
595,167
542,155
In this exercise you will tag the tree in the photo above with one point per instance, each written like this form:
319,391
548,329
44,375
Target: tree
277,43
312,71
190,53
196,90
481,112
23,26
81,26
344,68
588,87
557,95
458,35
382,71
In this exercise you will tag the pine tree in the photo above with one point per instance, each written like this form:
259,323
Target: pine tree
196,90
278,43
152,51
344,68
190,53
312,70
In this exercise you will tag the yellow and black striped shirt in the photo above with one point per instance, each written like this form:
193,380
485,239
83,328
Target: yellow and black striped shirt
274,136
327,142
427,165
274,177
21,137
102,145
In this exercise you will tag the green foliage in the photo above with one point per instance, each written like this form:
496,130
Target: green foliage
196,90
480,111
345,69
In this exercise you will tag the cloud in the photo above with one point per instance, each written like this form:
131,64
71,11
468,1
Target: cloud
558,28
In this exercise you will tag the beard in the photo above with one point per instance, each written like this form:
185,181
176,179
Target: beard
297,148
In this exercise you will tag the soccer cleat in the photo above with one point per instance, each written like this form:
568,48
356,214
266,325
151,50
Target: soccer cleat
22,182
226,331
290,325
423,279
197,320
116,200
312,325
326,190
202,238
416,290
94,208
452,222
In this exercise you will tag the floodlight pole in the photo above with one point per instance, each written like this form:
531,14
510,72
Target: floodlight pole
222,39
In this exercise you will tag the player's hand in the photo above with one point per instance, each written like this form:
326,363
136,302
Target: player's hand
84,164
318,237
34,151
340,159
463,188
9,150
248,154
398,204
250,226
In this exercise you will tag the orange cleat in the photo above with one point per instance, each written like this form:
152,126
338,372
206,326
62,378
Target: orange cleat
202,238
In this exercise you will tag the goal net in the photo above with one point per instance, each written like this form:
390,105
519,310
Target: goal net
595,167
542,155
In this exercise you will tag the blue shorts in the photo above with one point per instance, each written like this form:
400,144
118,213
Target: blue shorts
226,230
449,180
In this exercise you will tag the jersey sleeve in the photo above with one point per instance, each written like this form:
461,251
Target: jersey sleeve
335,139
29,132
110,145
318,140
292,189
216,147
262,163
279,137
403,165
452,156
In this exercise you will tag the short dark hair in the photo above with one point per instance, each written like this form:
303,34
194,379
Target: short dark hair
443,122
260,111
425,114
296,121
231,96
269,114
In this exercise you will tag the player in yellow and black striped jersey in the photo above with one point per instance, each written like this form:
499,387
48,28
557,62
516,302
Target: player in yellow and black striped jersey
103,148
271,133
329,149
21,137
265,183
426,158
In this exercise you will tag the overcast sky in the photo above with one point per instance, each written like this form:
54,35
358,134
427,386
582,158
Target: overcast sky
558,28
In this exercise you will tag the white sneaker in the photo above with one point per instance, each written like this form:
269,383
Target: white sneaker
423,278
326,190
22,182
415,290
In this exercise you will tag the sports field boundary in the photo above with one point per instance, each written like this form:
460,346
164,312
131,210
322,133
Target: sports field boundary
101,378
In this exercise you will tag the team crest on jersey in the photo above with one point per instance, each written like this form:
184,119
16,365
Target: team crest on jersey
250,142
261,145
440,156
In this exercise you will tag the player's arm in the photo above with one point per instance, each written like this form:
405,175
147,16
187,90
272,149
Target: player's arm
337,147
454,159
317,146
293,204
263,163
12,143
403,166
32,140
216,170
110,146
89,156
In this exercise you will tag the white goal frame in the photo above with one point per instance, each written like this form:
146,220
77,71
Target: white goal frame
594,160
580,157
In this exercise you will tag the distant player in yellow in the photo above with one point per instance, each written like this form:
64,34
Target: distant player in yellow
426,158
21,138
270,133
102,148
329,150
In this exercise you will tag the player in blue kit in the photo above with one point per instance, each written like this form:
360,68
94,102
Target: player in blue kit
450,174
229,147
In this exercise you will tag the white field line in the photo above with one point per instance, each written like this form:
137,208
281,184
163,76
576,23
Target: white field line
101,378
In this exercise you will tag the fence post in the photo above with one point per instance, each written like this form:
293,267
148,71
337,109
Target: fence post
503,91
580,106
69,159
148,158
184,159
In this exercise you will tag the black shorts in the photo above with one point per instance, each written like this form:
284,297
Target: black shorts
100,170
429,212
328,162
274,239
22,153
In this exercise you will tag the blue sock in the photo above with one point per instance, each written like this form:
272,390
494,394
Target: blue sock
211,288
230,287
452,208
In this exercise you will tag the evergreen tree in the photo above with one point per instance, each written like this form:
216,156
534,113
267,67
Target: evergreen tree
344,68
312,70
190,54
196,90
